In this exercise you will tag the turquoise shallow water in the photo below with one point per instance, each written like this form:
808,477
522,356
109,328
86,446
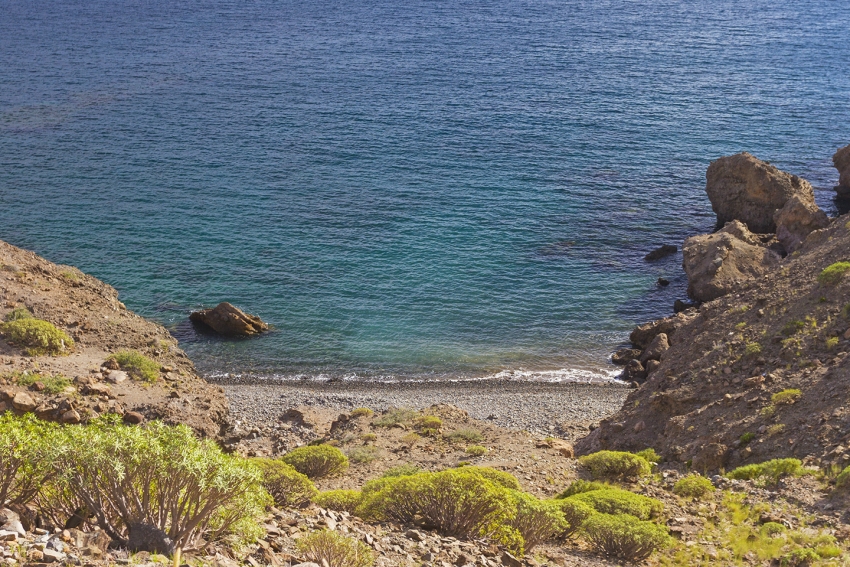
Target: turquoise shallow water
403,189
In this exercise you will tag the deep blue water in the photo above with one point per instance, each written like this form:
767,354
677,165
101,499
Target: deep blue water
408,189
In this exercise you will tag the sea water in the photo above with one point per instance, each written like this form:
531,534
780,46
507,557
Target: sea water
404,190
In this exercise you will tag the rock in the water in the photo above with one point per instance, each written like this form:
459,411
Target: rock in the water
742,187
145,537
661,252
24,402
719,263
624,355
796,220
634,372
656,348
226,319
663,282
841,161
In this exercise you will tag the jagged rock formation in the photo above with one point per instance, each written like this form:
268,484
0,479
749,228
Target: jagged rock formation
226,319
742,187
841,161
719,263
796,220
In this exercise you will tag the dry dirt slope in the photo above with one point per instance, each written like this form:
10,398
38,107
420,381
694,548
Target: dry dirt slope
90,312
711,402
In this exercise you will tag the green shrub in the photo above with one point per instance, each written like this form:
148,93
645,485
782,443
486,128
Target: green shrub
37,337
831,342
619,501
330,548
429,422
455,502
287,486
465,434
53,384
752,349
575,514
650,455
579,486
502,478
26,452
800,557
137,365
368,437
402,470
17,314
832,274
339,500
364,454
770,471
786,397
828,551
746,438
624,537
792,327
693,486
162,476
361,412
476,450
535,520
772,529
395,416
843,478
317,461
615,464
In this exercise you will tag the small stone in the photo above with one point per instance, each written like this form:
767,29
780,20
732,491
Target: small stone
24,402
52,556
35,555
134,418
71,416
7,535
117,376
510,561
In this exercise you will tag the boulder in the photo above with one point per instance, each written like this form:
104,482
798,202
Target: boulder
624,355
226,319
642,335
145,537
656,348
719,263
634,372
661,252
796,220
841,161
742,187
710,457
23,402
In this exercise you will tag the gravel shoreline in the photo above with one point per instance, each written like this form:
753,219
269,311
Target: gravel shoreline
562,408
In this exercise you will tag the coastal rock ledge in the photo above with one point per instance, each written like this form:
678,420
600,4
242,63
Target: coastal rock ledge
225,319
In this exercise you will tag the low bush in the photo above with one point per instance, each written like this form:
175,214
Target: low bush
368,437
161,476
802,557
833,273
476,450
317,461
650,455
624,537
364,454
772,529
786,397
361,412
455,502
37,337
615,464
26,447
535,520
575,514
465,434
411,439
17,314
502,478
53,384
402,470
619,501
770,471
831,342
752,349
287,486
429,422
843,479
395,416
746,438
137,365
330,548
579,486
339,500
693,486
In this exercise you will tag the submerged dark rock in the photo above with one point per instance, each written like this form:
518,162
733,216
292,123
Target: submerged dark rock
661,252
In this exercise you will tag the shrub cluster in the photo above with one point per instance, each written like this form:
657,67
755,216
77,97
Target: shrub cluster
37,337
330,548
786,397
625,537
317,461
287,486
833,273
616,464
339,500
619,501
693,486
137,365
25,454
769,471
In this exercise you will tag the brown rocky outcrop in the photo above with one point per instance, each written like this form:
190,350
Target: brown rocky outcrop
841,161
796,220
656,348
742,187
226,319
642,335
719,263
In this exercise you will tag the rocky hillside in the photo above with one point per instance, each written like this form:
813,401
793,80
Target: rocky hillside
760,369
82,384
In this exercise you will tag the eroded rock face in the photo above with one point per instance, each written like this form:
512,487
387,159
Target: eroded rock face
226,319
745,188
719,263
796,220
841,161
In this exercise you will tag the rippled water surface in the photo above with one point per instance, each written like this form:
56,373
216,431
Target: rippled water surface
406,189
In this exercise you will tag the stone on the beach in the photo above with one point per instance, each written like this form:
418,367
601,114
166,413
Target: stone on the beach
624,355
796,220
656,348
23,402
226,319
634,372
745,188
841,161
719,263
661,252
